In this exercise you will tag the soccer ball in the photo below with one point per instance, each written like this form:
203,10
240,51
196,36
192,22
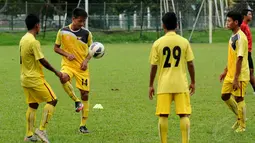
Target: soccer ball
96,50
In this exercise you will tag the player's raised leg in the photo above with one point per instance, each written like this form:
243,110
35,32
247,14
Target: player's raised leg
85,111
70,90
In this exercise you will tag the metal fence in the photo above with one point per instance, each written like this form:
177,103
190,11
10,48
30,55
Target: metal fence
117,16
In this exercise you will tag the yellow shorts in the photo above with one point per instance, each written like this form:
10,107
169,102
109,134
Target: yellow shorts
81,77
182,103
227,87
39,94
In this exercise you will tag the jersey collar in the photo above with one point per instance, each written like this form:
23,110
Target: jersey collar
170,33
70,27
30,34
236,32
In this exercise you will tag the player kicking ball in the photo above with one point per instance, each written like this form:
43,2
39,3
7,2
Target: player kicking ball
72,43
35,87
236,75
170,55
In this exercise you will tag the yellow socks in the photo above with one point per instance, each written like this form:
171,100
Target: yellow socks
30,117
242,113
47,114
163,129
185,129
232,105
85,112
70,91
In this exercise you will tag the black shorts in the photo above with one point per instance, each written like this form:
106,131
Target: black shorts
250,61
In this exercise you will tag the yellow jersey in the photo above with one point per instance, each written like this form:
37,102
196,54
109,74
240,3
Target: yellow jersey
31,69
238,46
74,42
171,54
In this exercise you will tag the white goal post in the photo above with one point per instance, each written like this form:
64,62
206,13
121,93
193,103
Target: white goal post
86,7
220,21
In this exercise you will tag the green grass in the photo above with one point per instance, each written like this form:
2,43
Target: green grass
107,37
219,36
128,115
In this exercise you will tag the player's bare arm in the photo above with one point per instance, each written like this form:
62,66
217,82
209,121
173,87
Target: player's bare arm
223,75
84,64
152,78
48,66
238,71
191,69
58,50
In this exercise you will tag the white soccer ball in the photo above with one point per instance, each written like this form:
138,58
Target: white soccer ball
96,50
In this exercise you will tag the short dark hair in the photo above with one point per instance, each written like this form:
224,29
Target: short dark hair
236,16
170,20
245,11
79,12
31,20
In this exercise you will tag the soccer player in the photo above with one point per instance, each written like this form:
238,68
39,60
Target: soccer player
247,17
236,74
170,54
72,43
36,89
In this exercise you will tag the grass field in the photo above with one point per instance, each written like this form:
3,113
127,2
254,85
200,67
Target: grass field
128,114
219,36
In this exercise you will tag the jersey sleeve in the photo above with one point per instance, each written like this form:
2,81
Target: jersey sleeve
154,57
240,43
90,41
58,39
36,47
189,53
